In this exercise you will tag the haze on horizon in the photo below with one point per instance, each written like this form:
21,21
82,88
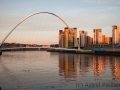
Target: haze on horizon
83,14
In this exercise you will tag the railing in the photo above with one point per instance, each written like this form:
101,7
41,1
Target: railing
22,48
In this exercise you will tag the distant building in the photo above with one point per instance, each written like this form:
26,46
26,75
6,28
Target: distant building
52,45
97,39
66,32
110,40
82,38
71,38
107,40
13,44
115,34
61,38
78,40
89,40
5,45
68,38
75,37
103,39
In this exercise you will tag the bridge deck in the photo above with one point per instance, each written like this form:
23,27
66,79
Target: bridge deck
16,48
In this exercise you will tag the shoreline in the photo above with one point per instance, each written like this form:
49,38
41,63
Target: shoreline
76,51
65,50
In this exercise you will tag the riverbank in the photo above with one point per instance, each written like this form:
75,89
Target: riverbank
65,50
117,53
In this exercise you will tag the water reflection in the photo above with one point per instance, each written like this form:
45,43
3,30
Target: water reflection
116,68
68,65
98,65
40,70
74,65
83,64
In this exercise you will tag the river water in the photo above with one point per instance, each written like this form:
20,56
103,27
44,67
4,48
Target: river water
41,70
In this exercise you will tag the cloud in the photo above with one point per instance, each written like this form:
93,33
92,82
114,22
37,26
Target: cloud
109,2
99,1
102,1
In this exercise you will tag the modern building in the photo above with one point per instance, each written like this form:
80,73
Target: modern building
97,39
89,40
83,38
68,38
66,32
61,38
103,39
107,40
75,37
115,34
71,38
110,40
78,40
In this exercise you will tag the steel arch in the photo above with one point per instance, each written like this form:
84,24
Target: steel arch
31,16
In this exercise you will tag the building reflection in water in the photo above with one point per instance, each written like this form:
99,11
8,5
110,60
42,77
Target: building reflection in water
98,65
116,68
72,65
83,64
68,65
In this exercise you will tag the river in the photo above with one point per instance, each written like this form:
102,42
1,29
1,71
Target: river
41,70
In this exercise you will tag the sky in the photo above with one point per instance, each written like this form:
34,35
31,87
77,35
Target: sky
83,14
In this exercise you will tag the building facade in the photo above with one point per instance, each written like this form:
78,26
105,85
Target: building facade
71,38
97,39
103,39
89,40
75,37
68,38
107,40
115,34
66,31
83,38
61,38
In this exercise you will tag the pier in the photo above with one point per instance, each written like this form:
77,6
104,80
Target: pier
65,50
76,51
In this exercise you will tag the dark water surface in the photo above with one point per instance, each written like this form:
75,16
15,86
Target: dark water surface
41,70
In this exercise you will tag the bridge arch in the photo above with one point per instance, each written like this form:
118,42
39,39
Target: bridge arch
31,16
